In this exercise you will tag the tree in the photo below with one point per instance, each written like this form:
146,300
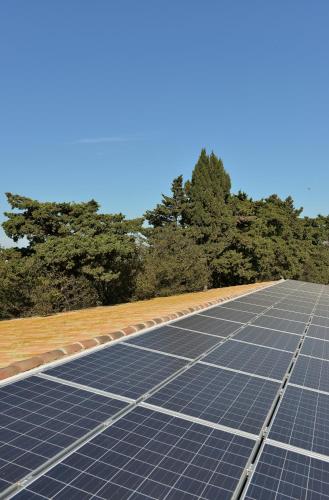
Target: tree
173,263
172,209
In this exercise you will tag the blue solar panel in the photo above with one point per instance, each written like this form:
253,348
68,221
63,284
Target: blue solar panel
176,341
251,358
220,396
223,312
147,454
319,332
283,474
39,418
283,325
311,372
316,348
302,420
211,326
269,338
120,369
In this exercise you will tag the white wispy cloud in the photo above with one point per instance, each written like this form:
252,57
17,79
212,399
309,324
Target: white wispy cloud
103,140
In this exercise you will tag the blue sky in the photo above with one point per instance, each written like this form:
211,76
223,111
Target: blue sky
112,99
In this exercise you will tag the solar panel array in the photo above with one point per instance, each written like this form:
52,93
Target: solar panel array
229,402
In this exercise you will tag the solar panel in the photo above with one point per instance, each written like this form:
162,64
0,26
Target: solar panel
283,325
302,420
120,369
241,306
320,321
285,474
321,311
316,348
251,358
147,454
268,338
176,341
281,313
39,418
258,301
319,332
287,306
311,372
221,396
211,326
225,313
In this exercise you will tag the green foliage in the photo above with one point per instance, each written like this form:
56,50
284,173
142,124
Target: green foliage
173,263
201,235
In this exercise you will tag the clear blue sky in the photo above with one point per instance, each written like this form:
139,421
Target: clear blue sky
111,99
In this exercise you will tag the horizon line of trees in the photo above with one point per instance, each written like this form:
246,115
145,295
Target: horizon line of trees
200,236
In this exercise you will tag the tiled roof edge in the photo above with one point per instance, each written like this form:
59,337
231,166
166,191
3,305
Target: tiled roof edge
47,357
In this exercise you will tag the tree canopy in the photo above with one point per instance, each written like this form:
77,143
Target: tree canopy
200,235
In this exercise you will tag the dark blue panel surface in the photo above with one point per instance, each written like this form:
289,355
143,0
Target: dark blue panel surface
302,420
39,418
316,347
281,313
282,474
176,341
120,369
319,332
150,455
251,358
241,306
283,325
311,372
269,338
223,312
204,324
219,396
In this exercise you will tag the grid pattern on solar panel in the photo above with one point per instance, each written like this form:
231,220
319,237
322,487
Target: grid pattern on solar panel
258,301
316,348
150,455
241,306
39,418
319,332
251,358
120,369
302,420
268,338
311,372
321,311
284,325
285,474
224,313
288,306
281,313
218,395
176,341
204,324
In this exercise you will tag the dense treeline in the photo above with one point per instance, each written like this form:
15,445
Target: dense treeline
201,235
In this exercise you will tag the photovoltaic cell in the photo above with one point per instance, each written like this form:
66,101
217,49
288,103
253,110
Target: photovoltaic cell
316,347
211,326
120,369
241,306
147,454
251,358
288,306
319,332
218,395
224,313
320,321
281,313
311,372
302,420
176,341
283,474
39,418
268,338
322,312
283,325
